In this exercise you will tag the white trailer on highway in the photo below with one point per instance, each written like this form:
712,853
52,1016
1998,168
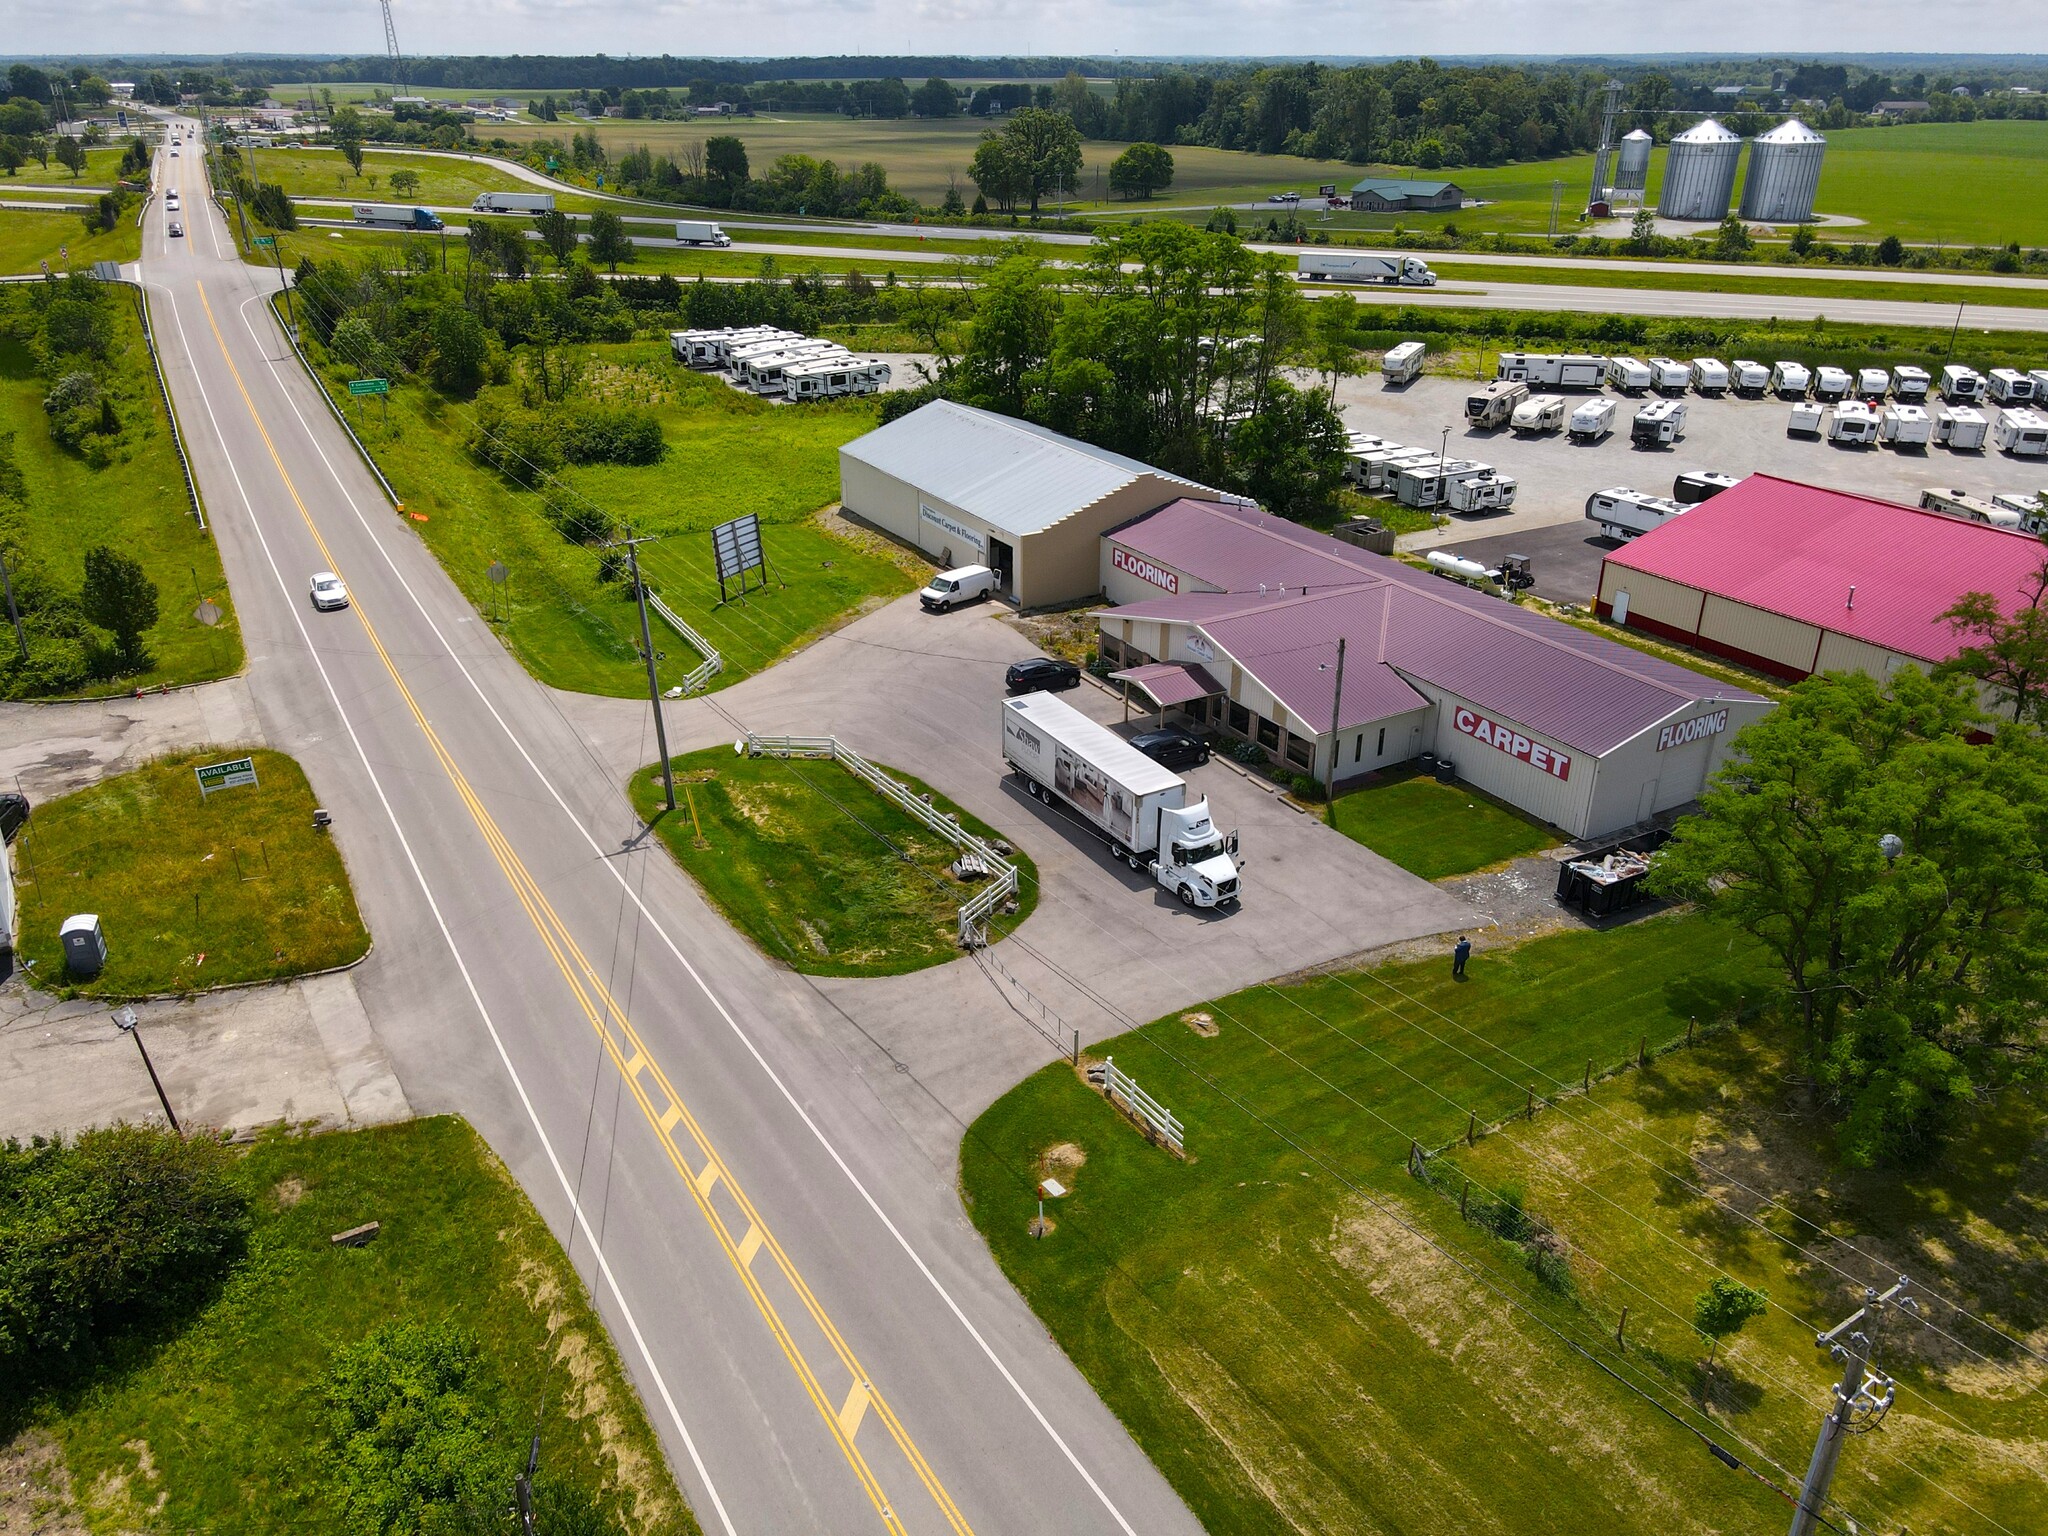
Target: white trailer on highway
1961,385
1623,513
1906,426
1143,811
2008,386
1749,378
535,203
1389,267
700,232
1538,413
2022,433
1961,428
1593,420
1669,376
1910,384
1555,370
1790,381
1630,375
1709,376
1400,365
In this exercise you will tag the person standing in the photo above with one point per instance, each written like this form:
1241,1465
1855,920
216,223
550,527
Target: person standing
1460,953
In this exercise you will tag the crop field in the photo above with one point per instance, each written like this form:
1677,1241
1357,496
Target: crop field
1306,1337
1955,183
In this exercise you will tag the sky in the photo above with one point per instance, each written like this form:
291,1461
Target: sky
701,28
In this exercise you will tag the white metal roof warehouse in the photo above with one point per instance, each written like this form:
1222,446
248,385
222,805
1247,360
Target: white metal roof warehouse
1235,617
970,487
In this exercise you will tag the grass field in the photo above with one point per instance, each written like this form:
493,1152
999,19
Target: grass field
31,237
1734,280
1305,1338
1436,830
191,892
815,867
220,1425
728,454
135,502
444,181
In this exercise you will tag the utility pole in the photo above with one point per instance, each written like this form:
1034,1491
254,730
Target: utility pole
668,773
1336,719
1862,1397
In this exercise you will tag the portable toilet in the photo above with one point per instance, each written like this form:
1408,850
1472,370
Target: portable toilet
85,947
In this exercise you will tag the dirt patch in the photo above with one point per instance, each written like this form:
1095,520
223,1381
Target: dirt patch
870,541
36,1497
1069,634
288,1193
1062,1160
126,1494
1202,1024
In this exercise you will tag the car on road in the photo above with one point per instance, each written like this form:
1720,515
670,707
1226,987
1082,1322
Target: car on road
171,200
328,592
1042,672
176,230
1172,747
951,588
174,151
1284,197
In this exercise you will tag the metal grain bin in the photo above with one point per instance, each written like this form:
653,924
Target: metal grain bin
1784,174
1632,171
1699,173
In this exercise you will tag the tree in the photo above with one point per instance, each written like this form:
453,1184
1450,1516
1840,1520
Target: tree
1732,241
345,127
121,599
460,348
1891,251
998,172
1725,1308
725,162
609,242
1642,233
934,98
71,155
1802,242
1918,967
558,234
2009,652
12,153
1040,151
1140,171
274,207
404,184
1012,336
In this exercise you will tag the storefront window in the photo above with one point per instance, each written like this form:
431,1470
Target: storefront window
1269,733
1298,749
1240,719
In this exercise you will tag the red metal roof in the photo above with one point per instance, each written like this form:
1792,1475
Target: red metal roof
1798,550
1170,682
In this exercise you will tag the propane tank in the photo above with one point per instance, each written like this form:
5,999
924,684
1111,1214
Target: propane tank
1457,565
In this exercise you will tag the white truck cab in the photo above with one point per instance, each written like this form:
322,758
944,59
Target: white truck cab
951,588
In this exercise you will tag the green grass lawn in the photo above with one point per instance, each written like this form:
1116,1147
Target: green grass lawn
135,502
728,454
444,181
219,1425
1437,830
1966,1228
1292,1359
1959,183
190,892
815,867
30,237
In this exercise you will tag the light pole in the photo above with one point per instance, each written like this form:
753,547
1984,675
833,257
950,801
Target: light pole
128,1024
1443,449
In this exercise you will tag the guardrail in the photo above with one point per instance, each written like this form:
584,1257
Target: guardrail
975,913
334,410
170,410
1117,1084
712,664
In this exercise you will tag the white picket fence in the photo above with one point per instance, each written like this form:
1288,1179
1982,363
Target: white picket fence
974,913
710,666
1117,1084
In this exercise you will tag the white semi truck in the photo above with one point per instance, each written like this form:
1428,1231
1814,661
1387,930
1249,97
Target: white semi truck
1367,267
1143,810
514,202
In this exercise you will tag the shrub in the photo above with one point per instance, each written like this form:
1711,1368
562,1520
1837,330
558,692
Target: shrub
610,434
74,408
115,1228
1248,754
1305,786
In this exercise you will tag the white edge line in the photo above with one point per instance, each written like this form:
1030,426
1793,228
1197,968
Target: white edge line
298,618
702,986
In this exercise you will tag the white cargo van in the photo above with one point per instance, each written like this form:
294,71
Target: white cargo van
949,589
1623,513
1910,383
1538,413
1491,404
1906,426
1749,377
1709,376
1960,427
2008,386
2022,433
1592,421
1790,381
1960,385
1403,364
1630,375
1668,376
1806,420
1832,384
1658,423
1854,423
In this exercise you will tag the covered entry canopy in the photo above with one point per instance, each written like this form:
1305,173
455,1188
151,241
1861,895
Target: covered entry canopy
1169,684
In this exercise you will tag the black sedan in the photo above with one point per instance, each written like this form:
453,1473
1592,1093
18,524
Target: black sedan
1171,747
1042,673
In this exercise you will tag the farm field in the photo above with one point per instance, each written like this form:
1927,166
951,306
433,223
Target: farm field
1305,1337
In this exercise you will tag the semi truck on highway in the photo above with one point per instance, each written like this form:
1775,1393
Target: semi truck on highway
514,202
1367,267
396,216
697,232
1141,809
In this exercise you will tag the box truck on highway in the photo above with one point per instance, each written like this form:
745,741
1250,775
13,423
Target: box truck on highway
396,216
514,202
1142,810
697,232
1367,267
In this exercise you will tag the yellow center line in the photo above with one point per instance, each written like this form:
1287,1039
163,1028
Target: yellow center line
662,1106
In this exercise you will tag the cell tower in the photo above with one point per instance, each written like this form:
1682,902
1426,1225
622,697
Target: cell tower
391,47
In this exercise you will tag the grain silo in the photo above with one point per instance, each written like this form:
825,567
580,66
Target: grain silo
1784,174
1632,173
1699,173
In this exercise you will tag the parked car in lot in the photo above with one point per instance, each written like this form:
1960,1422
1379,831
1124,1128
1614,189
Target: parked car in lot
948,589
1172,747
1042,672
328,592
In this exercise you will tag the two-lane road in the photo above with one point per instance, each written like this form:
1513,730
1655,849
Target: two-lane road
817,1331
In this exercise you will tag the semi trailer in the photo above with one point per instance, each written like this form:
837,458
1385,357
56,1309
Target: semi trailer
396,216
1144,811
1388,267
514,202
698,232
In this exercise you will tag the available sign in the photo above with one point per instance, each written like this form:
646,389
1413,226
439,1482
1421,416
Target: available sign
1683,731
232,775
1503,738
1144,570
958,530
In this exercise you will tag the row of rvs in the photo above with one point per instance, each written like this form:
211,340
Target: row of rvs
1958,384
1659,423
1962,428
1422,478
2006,509
783,365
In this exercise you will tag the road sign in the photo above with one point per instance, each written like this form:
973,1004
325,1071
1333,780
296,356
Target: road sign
369,387
497,573
265,240
232,775
736,550
208,612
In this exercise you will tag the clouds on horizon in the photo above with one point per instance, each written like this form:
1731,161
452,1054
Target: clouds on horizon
696,28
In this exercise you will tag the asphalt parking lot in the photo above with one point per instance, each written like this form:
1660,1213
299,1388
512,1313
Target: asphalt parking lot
1737,437
1563,557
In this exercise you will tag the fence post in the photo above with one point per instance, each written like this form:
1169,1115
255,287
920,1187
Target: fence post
1642,1050
1077,1047
1621,1327
1532,1103
1464,1195
1689,1026
1589,1074
1471,1127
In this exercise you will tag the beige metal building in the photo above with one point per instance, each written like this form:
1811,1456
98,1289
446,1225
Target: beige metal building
970,487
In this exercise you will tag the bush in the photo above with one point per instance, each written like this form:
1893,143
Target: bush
117,1228
610,434
1305,787
74,408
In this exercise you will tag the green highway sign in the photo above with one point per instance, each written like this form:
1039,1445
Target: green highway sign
266,240
368,387
232,775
